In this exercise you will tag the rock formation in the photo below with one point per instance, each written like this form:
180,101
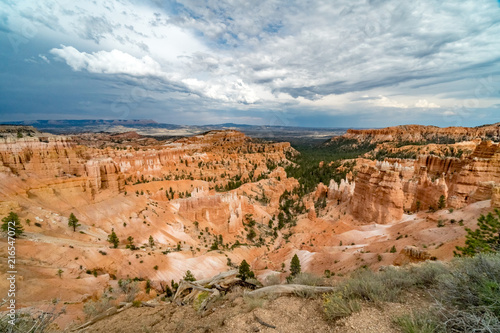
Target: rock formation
418,133
382,193
411,254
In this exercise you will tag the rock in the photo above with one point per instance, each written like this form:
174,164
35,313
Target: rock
418,133
321,191
495,198
385,191
411,254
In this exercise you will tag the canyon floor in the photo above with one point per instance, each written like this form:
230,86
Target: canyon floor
206,203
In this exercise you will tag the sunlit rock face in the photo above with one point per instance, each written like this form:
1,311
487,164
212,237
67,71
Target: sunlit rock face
418,133
384,191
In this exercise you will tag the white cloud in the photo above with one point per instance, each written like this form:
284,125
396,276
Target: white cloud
103,62
44,58
423,103
388,103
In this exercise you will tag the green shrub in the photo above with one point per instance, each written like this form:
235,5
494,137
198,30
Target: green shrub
485,239
12,221
272,279
335,306
473,285
427,274
418,322
307,279
253,302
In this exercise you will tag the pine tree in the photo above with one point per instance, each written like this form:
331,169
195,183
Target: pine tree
10,219
151,241
244,271
73,222
441,202
295,266
130,244
486,238
189,276
113,239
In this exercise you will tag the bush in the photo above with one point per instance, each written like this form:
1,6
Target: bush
129,288
94,308
189,276
253,302
200,299
272,279
387,286
307,279
427,274
12,221
473,285
418,322
30,320
335,306
364,285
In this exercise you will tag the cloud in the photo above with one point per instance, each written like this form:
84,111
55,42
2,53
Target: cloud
94,28
112,62
44,58
388,103
236,56
422,103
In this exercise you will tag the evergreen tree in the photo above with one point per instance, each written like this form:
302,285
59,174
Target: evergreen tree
151,241
189,276
244,271
486,238
251,234
113,239
7,222
130,244
295,266
214,246
441,202
73,222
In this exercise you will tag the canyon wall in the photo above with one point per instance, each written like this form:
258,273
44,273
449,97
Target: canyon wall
42,161
418,133
384,191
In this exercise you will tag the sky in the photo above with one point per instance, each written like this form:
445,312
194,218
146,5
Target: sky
353,63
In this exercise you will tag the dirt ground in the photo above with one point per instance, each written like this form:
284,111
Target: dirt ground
236,313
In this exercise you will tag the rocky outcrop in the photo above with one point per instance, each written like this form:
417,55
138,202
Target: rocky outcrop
411,254
383,192
418,133
495,197
321,191
43,160
378,195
